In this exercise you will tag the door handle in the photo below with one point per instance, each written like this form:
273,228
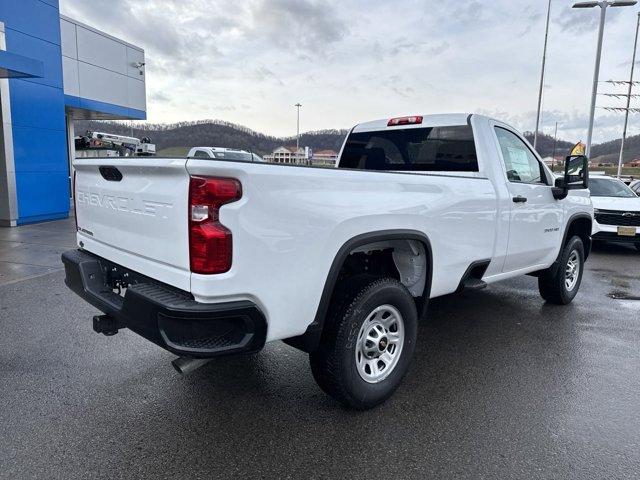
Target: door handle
519,199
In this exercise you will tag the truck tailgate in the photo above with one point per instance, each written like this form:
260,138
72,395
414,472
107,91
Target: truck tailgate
133,211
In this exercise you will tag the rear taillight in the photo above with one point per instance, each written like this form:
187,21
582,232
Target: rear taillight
414,120
210,242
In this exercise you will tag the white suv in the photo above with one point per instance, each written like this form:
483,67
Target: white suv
617,211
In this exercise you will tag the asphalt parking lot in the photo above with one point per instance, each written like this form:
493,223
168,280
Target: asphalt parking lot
502,386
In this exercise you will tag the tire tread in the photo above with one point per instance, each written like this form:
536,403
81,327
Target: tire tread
551,286
326,361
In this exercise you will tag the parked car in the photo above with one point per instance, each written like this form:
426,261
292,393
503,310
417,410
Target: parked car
617,211
221,153
635,186
214,258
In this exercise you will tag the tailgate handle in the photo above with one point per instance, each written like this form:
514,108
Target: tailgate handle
112,174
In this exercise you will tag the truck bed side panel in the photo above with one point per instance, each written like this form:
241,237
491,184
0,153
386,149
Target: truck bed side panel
292,221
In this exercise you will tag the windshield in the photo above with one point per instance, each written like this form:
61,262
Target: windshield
601,187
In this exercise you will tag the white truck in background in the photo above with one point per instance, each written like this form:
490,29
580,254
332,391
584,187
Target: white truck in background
101,144
210,258
222,153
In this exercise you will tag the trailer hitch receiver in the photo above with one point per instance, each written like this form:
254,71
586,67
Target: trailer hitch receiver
106,325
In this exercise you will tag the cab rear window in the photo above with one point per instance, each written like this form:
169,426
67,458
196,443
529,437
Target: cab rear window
441,149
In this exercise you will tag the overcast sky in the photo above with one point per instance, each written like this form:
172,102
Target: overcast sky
249,61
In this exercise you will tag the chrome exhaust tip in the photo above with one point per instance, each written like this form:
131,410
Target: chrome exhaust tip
186,365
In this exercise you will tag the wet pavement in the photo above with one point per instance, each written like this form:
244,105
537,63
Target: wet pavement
502,386
32,250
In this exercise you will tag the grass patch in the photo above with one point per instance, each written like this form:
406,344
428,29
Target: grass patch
173,152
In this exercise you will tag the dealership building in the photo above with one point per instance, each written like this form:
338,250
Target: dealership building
54,70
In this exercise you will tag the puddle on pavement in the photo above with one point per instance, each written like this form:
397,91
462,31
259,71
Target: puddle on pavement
622,295
618,282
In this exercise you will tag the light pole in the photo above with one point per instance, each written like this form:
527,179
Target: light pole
626,113
596,74
544,60
553,155
298,105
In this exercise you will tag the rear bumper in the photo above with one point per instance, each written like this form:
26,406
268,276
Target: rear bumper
164,315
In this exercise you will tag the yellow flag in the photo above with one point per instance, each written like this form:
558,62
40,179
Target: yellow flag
578,149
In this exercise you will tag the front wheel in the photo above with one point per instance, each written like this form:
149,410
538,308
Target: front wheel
367,344
562,286
638,246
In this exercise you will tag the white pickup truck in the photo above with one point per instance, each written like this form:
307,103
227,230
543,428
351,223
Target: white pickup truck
210,258
222,153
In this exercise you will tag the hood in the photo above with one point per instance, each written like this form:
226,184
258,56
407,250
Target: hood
615,203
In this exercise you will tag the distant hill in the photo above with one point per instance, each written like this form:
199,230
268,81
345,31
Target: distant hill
607,152
176,139
545,145
610,151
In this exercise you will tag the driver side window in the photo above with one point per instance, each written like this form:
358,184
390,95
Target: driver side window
201,154
521,164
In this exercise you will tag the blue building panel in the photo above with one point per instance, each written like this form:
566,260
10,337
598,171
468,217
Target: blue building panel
13,65
48,53
43,196
33,17
32,29
39,150
72,101
37,106
53,3
33,64
109,109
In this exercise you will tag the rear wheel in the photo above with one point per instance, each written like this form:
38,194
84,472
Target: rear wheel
367,344
561,288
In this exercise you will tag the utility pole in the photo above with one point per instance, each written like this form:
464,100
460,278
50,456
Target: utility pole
544,60
298,105
596,76
596,73
626,113
555,142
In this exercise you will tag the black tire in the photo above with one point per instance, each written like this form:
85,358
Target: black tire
552,286
333,364
638,246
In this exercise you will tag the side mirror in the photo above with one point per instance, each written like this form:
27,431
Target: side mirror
576,176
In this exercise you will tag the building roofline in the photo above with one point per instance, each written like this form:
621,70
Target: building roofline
100,32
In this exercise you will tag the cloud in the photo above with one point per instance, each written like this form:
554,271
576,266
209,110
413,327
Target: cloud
173,40
439,48
262,73
467,14
572,125
248,61
297,25
406,92
584,20
531,21
160,97
578,21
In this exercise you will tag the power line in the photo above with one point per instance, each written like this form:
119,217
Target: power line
621,95
620,82
621,109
